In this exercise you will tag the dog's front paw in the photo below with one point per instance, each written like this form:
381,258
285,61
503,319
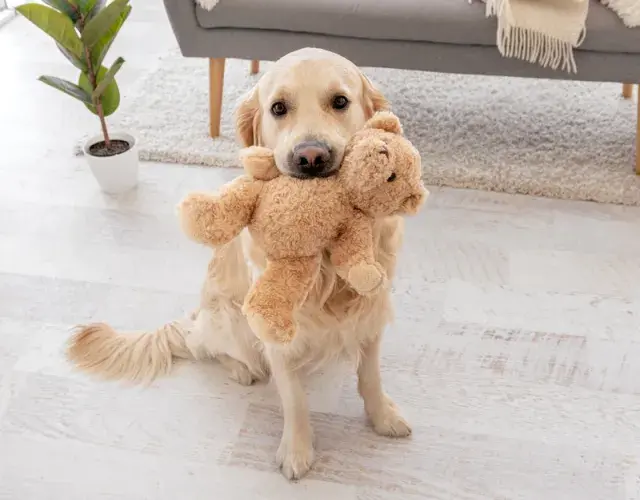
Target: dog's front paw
295,458
387,420
367,279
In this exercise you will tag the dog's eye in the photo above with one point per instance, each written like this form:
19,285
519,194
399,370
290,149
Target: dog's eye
340,102
278,109
384,151
392,177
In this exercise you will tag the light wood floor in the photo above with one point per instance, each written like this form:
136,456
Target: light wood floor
514,352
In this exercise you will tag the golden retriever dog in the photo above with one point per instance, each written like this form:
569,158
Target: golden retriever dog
306,107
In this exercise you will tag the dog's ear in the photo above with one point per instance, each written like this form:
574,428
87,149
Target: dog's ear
248,119
374,100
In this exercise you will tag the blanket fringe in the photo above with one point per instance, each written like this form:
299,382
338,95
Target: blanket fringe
493,7
536,47
532,46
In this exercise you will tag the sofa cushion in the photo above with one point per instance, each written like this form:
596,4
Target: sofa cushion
441,21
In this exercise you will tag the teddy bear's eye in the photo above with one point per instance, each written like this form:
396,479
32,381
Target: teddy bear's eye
384,151
392,177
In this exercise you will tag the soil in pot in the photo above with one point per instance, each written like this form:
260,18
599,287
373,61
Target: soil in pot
117,147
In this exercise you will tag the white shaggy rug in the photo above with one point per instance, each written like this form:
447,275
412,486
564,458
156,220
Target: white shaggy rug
556,139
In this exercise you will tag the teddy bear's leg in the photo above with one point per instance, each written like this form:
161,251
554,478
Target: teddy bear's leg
277,294
215,219
352,254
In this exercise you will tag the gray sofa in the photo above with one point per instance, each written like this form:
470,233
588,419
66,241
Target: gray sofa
448,36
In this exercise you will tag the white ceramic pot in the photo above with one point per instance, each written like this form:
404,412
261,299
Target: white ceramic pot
118,173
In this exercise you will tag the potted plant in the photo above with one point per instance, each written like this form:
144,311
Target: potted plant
84,30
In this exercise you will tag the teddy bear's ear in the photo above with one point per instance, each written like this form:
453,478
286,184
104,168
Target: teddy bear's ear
385,120
259,163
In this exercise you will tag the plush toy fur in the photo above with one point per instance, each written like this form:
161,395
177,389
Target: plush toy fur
295,220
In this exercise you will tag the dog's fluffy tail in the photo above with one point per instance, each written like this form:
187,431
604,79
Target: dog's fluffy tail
136,357
141,357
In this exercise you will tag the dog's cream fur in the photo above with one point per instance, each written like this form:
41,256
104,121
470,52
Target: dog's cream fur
335,322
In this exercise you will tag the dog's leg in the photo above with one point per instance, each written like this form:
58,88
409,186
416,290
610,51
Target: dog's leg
295,454
220,327
382,411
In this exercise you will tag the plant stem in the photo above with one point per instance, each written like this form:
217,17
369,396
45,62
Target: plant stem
103,124
93,79
97,102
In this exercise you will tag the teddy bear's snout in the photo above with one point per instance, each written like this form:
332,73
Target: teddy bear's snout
413,202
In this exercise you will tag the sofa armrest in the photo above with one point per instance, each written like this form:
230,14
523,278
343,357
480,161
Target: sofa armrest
183,20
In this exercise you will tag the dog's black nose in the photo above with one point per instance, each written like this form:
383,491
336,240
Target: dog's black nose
311,158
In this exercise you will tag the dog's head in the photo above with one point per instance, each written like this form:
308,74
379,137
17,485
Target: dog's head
306,108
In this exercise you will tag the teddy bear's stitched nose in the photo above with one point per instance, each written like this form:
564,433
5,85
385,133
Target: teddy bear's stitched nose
311,157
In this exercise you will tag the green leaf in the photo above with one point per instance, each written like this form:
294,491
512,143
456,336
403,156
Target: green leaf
84,6
78,62
107,78
98,5
110,98
55,24
103,20
100,49
67,87
89,8
65,7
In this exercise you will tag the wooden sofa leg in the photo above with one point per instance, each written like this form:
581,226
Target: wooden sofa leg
216,84
255,67
627,90
638,135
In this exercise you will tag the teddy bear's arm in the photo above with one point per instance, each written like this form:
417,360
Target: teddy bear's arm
259,163
352,255
215,219
355,243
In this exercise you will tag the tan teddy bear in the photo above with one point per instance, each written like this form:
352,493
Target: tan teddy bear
380,176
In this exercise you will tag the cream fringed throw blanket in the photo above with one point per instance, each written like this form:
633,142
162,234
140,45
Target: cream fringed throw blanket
547,31
542,31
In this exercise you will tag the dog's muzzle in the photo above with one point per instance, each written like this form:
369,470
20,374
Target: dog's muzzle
311,158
